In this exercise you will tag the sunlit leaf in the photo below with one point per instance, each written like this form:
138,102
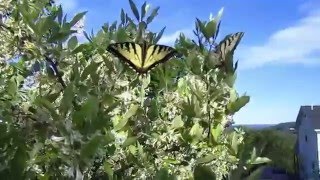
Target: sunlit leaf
123,121
73,42
153,14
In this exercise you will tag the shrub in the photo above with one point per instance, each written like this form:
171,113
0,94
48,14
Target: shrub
71,110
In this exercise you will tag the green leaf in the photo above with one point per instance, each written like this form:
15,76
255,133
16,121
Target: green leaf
60,36
253,154
80,48
122,35
200,25
60,14
206,159
231,79
260,160
44,24
163,174
143,10
234,143
12,87
73,42
90,148
177,122
194,64
256,174
41,102
203,173
210,29
19,162
196,130
91,107
107,167
134,9
153,14
123,121
129,141
159,35
235,106
123,17
77,18
92,67
216,132
66,101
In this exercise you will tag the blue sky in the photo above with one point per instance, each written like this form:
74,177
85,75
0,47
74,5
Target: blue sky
279,56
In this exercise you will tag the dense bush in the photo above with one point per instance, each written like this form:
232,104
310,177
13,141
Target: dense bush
71,110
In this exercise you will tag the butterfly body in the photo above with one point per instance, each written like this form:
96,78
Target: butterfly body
142,57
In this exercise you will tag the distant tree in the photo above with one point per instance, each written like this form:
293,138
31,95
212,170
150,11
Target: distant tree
274,144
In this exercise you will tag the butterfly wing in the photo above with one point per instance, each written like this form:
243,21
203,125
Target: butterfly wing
229,44
156,54
129,52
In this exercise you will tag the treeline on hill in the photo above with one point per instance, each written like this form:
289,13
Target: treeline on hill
83,114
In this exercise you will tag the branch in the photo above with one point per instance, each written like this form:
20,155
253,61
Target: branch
55,68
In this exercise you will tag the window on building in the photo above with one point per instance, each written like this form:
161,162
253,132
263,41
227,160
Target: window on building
306,138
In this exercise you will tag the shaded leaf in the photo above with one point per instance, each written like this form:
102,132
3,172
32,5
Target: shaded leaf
123,16
203,173
67,99
206,159
159,35
73,42
163,174
77,18
90,148
19,162
92,67
134,9
41,102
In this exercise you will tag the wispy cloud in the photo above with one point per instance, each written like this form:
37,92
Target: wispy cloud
169,39
295,44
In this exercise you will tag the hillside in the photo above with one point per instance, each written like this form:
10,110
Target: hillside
284,126
281,126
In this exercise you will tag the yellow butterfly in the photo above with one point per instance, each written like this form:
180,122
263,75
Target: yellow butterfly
141,57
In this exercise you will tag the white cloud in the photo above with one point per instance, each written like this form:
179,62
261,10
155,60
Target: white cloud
299,43
171,38
68,5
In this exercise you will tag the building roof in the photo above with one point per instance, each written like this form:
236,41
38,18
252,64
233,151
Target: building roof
312,113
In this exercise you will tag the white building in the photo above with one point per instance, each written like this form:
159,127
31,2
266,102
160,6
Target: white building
308,142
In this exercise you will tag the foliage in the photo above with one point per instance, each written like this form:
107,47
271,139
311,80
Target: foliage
83,114
274,144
